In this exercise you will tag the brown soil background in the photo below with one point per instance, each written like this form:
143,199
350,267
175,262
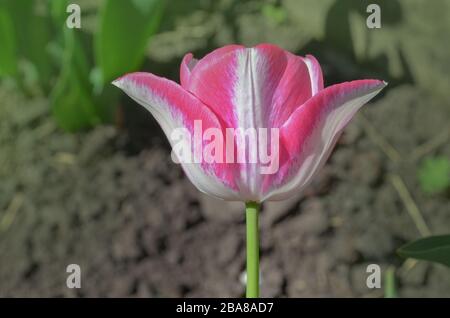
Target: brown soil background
112,201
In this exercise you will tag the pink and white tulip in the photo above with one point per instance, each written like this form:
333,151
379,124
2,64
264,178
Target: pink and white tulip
259,87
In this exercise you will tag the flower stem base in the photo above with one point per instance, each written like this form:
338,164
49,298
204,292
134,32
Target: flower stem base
252,213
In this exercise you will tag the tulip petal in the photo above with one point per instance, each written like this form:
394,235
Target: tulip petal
187,64
293,88
259,86
315,74
256,87
212,81
174,108
309,135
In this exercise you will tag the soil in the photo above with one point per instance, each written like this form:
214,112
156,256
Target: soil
112,201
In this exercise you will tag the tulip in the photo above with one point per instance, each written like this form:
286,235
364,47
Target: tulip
244,88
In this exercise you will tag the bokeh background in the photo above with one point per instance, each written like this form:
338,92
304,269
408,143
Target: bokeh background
86,175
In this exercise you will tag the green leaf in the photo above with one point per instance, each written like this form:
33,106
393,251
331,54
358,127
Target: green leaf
125,28
434,174
72,103
8,61
390,291
32,34
58,12
434,249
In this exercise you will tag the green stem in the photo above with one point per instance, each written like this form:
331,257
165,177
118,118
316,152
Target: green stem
252,210
389,283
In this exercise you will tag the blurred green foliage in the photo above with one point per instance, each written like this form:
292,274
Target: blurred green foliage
277,14
125,27
434,174
75,66
72,99
410,47
8,63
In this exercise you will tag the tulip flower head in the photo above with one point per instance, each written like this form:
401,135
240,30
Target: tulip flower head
242,105
250,124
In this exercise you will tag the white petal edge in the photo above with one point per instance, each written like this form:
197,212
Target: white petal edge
159,108
322,143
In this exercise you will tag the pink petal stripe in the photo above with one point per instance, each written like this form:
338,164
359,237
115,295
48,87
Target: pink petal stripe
309,135
174,108
264,84
293,89
256,87
212,81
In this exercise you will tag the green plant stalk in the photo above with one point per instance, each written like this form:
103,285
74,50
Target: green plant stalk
252,211
389,283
